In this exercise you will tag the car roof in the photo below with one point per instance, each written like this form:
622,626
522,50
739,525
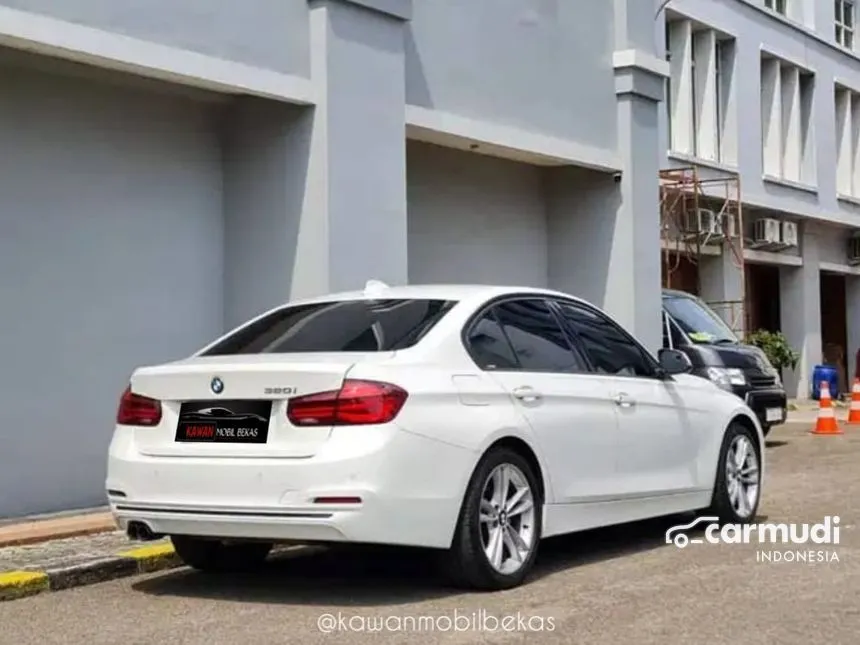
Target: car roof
435,292
675,293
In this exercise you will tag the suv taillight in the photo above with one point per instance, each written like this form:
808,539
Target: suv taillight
355,403
137,410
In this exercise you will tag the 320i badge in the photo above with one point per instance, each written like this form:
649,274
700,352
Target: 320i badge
228,422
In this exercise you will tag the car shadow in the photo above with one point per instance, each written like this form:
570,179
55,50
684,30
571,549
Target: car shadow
356,576
775,443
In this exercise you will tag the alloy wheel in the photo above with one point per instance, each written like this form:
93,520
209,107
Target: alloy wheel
507,518
742,476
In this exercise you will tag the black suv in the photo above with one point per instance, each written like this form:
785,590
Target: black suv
716,353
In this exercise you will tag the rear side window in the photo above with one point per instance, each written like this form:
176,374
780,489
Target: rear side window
340,326
489,346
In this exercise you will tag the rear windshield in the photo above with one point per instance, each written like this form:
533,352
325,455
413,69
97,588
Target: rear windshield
341,326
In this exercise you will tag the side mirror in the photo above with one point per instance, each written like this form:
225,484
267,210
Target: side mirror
674,361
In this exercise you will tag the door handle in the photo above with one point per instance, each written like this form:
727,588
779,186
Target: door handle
623,400
527,394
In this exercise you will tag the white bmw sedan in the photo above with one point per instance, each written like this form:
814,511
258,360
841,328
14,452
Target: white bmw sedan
474,420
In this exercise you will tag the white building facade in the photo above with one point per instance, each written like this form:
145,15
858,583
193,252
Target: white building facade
769,91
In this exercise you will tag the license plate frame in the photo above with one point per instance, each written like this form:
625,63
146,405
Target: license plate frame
220,422
772,415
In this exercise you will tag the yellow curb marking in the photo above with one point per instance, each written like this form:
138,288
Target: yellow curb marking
146,552
17,580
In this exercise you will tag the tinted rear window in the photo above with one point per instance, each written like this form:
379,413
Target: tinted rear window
342,326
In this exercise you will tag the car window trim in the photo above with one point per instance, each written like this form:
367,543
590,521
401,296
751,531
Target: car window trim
490,306
655,365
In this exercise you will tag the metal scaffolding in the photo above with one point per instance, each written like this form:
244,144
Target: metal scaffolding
697,215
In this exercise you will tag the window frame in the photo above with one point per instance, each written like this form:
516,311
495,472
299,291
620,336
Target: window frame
489,308
657,370
842,28
777,6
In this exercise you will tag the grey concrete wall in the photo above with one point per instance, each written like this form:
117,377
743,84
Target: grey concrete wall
167,216
265,155
517,63
110,257
474,218
272,34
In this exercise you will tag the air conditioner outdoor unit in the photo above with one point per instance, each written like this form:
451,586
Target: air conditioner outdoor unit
766,231
789,234
854,249
704,224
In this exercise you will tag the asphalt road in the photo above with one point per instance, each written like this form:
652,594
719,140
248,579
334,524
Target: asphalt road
617,586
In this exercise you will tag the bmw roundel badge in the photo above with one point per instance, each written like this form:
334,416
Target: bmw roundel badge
217,385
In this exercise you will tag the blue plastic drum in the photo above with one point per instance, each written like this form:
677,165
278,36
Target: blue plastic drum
825,373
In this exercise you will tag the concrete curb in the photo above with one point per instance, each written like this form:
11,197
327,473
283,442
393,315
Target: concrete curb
44,530
146,559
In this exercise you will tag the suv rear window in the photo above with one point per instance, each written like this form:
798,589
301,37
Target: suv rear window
338,326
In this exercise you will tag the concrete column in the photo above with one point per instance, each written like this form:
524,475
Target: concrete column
800,313
845,152
791,123
722,288
630,231
852,313
854,139
729,100
604,230
681,87
771,117
705,98
353,221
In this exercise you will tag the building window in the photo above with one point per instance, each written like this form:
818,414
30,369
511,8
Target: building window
776,5
844,23
699,92
847,141
787,132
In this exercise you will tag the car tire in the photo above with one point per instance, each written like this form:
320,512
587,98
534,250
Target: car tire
732,502
466,562
766,429
215,556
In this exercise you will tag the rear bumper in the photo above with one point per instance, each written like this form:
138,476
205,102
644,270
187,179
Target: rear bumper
410,488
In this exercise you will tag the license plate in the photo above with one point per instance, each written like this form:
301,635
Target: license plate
773,414
224,422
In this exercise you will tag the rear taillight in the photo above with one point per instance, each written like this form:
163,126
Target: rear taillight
355,403
137,410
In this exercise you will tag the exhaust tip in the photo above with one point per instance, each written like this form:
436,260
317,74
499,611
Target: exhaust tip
139,531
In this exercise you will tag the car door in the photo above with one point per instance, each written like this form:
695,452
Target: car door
658,439
522,344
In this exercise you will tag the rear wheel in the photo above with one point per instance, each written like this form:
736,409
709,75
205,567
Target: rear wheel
495,543
738,484
216,556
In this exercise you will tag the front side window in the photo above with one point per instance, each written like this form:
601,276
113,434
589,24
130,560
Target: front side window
538,340
609,348
338,326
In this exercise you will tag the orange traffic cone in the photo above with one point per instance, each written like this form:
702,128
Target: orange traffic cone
854,410
826,423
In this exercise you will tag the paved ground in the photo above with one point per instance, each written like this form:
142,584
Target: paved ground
618,586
